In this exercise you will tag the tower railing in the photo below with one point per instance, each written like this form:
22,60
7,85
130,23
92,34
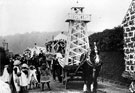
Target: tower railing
79,17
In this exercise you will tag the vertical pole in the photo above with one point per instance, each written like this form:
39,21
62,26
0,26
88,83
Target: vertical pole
68,43
0,63
3,44
88,46
7,46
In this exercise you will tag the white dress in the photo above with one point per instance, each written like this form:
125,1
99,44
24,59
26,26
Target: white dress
4,87
23,79
16,81
5,77
32,74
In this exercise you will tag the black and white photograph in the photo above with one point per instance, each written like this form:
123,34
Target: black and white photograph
67,46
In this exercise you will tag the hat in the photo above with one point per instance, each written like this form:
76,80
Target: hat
6,66
32,67
17,62
25,65
43,64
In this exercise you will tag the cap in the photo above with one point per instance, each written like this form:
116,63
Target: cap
17,62
25,65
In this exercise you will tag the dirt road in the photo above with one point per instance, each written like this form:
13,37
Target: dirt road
76,87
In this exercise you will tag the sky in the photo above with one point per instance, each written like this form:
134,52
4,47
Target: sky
21,16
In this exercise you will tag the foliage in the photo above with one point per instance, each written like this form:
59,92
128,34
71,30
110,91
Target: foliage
108,40
113,66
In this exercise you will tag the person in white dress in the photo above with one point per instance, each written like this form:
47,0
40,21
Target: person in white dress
32,78
24,78
16,75
4,87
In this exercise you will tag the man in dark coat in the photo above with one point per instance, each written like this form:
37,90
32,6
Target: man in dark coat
57,70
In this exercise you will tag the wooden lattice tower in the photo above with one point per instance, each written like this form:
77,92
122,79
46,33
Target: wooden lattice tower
129,38
77,42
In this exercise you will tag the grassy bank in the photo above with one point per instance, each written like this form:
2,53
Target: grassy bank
113,66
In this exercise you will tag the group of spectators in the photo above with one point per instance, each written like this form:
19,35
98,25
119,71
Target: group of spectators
34,72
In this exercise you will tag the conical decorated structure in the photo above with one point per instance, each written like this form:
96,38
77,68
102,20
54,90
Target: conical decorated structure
129,40
77,41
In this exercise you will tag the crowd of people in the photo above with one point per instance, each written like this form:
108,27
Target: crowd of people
24,73
34,68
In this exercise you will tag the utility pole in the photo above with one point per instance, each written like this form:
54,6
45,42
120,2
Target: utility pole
3,44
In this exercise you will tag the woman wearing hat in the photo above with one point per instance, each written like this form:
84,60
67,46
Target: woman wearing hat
24,78
16,75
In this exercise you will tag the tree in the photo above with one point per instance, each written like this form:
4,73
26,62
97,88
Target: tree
108,40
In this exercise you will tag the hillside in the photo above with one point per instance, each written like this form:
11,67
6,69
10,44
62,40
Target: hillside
18,42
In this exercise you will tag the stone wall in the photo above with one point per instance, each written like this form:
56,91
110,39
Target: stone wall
129,38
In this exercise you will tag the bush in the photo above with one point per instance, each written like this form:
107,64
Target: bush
108,40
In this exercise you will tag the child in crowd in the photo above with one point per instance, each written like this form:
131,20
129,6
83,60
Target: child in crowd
45,76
